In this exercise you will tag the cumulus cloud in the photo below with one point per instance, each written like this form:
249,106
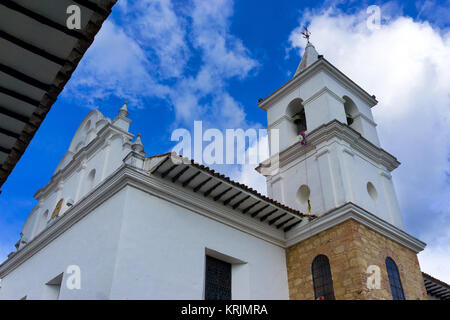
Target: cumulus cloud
184,55
122,73
406,63
157,28
246,173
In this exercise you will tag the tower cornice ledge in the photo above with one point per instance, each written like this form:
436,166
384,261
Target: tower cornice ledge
352,211
327,132
320,65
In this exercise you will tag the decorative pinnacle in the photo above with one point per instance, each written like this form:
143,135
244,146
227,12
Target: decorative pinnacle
137,145
124,110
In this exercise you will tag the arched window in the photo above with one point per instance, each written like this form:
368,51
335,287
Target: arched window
296,111
323,283
394,280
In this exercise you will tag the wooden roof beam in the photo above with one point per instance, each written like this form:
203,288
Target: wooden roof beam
24,78
220,195
237,204
289,227
277,218
284,222
202,184
254,214
179,174
207,192
185,183
41,19
264,217
33,49
250,206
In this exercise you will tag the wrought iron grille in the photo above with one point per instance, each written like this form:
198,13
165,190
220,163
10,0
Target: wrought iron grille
394,280
323,282
218,279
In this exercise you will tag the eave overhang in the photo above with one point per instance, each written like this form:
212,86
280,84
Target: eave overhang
436,288
334,130
38,56
223,191
128,175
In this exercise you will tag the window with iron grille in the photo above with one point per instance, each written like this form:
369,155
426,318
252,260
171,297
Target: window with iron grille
217,279
394,280
323,282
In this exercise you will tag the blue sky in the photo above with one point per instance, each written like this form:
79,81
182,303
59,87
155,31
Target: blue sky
180,61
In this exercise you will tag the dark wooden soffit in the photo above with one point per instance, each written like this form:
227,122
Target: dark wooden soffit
220,188
100,11
436,287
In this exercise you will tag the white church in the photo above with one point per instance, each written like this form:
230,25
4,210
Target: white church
116,223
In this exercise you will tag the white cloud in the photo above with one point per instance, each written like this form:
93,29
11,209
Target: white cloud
223,57
246,173
122,71
407,65
436,259
158,29
184,55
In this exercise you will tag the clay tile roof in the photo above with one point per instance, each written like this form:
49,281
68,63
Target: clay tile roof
236,184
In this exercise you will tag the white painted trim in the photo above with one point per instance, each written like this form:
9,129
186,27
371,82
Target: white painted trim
278,121
128,176
336,129
359,114
347,212
319,65
321,92
193,202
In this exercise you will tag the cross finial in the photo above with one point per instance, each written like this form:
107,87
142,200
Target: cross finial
306,34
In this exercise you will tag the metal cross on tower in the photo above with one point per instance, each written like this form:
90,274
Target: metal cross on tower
306,34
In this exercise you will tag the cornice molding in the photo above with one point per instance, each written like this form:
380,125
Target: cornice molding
278,121
336,129
320,65
359,114
322,91
352,211
129,176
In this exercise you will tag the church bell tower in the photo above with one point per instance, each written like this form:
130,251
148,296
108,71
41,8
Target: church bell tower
340,159
326,159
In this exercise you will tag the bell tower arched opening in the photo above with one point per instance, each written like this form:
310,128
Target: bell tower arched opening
296,112
351,110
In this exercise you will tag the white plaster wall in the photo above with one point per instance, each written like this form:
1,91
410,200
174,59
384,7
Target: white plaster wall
104,161
336,174
162,254
91,244
137,246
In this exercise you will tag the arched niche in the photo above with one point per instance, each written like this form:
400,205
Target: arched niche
43,221
88,124
89,181
296,111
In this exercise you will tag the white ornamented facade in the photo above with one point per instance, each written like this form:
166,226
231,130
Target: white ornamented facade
113,223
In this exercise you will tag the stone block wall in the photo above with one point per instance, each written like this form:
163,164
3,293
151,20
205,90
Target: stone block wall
351,247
